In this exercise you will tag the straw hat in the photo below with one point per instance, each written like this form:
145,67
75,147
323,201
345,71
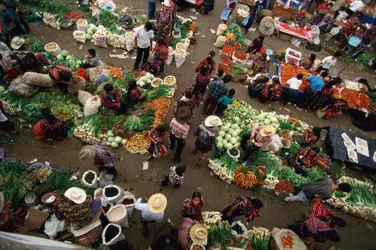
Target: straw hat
157,203
267,130
75,194
87,153
166,3
1,201
183,114
17,42
198,234
213,121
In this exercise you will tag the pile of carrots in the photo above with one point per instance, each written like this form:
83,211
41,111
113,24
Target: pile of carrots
355,99
193,26
116,72
300,31
284,187
247,180
288,71
160,105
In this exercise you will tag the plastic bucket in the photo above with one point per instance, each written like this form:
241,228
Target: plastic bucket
81,72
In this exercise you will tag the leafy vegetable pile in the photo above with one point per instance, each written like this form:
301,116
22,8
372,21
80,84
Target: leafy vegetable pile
219,235
32,44
136,124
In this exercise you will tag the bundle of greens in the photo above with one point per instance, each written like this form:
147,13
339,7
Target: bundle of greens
285,124
116,29
12,181
65,111
160,91
227,162
107,18
287,153
135,124
259,237
237,31
220,235
56,8
338,169
265,159
296,179
32,44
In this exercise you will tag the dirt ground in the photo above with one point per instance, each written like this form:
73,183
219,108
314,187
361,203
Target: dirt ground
358,234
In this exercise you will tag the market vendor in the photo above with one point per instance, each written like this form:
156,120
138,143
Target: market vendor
164,21
316,84
193,207
260,62
309,137
62,77
78,208
16,6
100,156
134,93
304,159
260,137
256,45
255,86
5,123
8,65
309,62
321,10
329,62
49,128
91,60
323,188
243,206
325,97
299,17
111,99
322,212
291,90
158,143
227,11
216,90
314,229
190,232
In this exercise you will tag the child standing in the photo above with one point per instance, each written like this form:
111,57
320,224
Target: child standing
224,101
176,176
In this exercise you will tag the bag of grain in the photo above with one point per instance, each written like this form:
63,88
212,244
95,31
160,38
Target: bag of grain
221,29
128,200
92,105
113,193
38,79
89,179
118,215
112,234
83,96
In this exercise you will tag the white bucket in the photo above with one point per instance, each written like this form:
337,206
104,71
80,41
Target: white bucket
82,25
341,16
118,215
119,237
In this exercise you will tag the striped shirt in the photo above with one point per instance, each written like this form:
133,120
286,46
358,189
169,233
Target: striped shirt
316,225
179,130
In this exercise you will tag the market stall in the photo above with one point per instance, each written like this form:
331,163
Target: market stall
290,29
271,171
355,149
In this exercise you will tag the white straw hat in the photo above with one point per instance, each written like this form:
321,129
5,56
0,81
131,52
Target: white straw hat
267,130
87,153
213,121
166,3
157,203
17,42
199,234
75,194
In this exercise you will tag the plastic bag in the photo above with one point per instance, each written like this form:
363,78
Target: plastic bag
170,56
129,41
93,183
118,237
18,87
220,42
118,215
180,59
100,39
92,105
116,198
221,29
53,226
79,84
83,96
278,234
101,78
244,229
95,72
129,207
37,79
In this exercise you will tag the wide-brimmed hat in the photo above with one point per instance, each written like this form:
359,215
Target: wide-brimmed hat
2,201
157,203
17,42
267,130
213,121
87,153
167,3
75,194
199,234
183,114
